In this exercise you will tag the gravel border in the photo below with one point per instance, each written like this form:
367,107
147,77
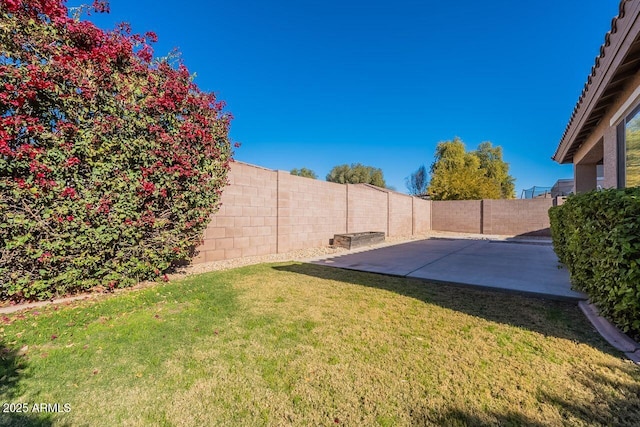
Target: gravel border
298,255
327,251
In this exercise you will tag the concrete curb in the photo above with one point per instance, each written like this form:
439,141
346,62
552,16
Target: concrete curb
610,333
19,307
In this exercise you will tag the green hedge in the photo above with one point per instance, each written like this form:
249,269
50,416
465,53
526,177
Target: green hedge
597,236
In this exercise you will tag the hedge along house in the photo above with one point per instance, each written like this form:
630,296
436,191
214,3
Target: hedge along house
602,138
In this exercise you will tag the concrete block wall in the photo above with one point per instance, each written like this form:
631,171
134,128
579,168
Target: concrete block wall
367,209
267,212
310,212
400,214
515,217
421,216
463,216
246,223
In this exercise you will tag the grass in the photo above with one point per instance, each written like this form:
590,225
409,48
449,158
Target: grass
298,344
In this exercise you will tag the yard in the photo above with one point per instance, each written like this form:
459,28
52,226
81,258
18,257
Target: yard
299,344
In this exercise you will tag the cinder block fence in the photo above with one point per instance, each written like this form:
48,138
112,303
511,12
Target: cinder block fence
503,217
267,212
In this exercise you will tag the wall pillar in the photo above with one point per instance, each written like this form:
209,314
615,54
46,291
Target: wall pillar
610,158
486,217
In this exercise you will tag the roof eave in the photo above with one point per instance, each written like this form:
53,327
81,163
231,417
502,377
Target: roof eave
602,72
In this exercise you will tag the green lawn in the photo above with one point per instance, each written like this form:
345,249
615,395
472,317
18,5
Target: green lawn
298,344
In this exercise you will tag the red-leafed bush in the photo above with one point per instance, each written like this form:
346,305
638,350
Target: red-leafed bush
110,162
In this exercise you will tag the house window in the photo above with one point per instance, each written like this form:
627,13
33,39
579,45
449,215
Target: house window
629,149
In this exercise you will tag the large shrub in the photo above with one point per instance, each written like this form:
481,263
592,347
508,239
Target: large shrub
597,236
110,162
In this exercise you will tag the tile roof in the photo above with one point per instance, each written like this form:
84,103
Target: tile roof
593,103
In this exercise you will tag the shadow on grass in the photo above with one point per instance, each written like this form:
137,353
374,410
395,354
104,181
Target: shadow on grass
614,402
605,410
560,319
461,418
13,411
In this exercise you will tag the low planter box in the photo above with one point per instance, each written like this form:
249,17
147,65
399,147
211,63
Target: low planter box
354,240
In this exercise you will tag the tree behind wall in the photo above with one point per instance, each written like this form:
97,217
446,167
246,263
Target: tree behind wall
110,162
357,173
418,182
496,168
460,175
307,173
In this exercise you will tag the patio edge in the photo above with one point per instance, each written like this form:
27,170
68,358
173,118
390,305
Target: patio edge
610,333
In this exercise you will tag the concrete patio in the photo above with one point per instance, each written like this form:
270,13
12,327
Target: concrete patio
518,265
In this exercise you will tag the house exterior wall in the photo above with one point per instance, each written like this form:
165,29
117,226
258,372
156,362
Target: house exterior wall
605,134
610,158
586,177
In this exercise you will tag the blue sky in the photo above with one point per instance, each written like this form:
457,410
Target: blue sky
319,83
